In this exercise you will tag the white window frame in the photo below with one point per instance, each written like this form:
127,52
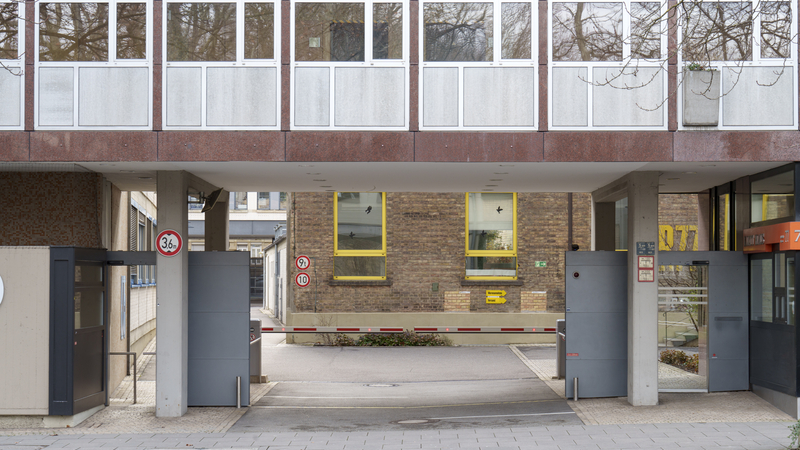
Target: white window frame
239,62
497,61
17,66
368,62
789,66
112,62
591,65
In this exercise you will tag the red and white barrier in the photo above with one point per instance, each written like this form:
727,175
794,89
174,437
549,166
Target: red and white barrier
494,330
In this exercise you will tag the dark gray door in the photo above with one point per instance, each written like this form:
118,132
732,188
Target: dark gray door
597,323
728,350
219,327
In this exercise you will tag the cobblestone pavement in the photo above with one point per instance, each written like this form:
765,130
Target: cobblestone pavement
765,435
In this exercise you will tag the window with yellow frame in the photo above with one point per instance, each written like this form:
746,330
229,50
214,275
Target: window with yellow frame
359,236
491,236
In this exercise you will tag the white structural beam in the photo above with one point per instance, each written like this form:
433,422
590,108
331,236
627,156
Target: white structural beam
172,312
642,293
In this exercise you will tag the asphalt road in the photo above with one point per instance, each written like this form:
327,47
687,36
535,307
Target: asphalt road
400,388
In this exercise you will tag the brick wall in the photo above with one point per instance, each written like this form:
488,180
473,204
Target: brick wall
678,222
425,254
50,208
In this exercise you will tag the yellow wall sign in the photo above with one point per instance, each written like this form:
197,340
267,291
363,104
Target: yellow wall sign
495,296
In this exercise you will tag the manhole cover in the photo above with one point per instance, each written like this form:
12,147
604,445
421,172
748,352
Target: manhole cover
381,385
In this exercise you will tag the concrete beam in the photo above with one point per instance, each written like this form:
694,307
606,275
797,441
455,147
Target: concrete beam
217,224
172,310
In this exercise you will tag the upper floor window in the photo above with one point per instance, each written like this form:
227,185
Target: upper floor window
92,31
606,31
491,235
211,31
359,235
729,31
465,31
336,31
263,201
9,30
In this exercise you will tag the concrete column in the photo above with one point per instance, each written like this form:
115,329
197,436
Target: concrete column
218,225
642,296
172,312
604,215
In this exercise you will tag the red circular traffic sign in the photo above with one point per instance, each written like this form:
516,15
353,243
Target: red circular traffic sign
302,279
302,262
169,243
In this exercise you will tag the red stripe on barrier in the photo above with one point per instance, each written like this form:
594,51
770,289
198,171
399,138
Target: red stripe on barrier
468,329
426,329
549,329
348,329
391,329
512,329
267,329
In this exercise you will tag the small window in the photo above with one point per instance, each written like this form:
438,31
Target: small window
772,197
238,201
359,238
776,29
263,201
491,236
9,30
282,201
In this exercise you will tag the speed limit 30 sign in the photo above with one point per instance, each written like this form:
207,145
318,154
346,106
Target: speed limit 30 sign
302,279
169,243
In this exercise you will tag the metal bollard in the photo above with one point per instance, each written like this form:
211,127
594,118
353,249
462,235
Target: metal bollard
575,389
238,392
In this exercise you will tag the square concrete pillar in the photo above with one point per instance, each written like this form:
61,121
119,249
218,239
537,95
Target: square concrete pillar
642,295
172,310
217,237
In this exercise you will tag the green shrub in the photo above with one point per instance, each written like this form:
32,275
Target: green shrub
404,339
681,360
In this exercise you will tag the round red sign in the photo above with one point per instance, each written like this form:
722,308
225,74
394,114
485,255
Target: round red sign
302,279
169,243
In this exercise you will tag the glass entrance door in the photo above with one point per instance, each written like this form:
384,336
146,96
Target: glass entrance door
683,328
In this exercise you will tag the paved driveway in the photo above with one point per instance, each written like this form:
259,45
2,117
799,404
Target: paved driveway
355,388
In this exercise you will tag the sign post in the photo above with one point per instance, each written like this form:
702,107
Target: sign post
169,243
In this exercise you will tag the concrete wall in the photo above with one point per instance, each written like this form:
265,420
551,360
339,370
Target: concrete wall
25,330
410,320
269,279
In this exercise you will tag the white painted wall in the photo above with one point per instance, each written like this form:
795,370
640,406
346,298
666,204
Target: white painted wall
25,330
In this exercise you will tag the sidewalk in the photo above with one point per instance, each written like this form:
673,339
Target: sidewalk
738,420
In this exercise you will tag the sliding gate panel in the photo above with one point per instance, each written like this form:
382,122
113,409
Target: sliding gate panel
219,327
597,323
728,324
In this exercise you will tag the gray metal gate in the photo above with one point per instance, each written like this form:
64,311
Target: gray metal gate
597,328
219,324
597,323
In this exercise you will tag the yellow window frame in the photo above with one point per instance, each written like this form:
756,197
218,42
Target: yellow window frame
337,252
490,253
